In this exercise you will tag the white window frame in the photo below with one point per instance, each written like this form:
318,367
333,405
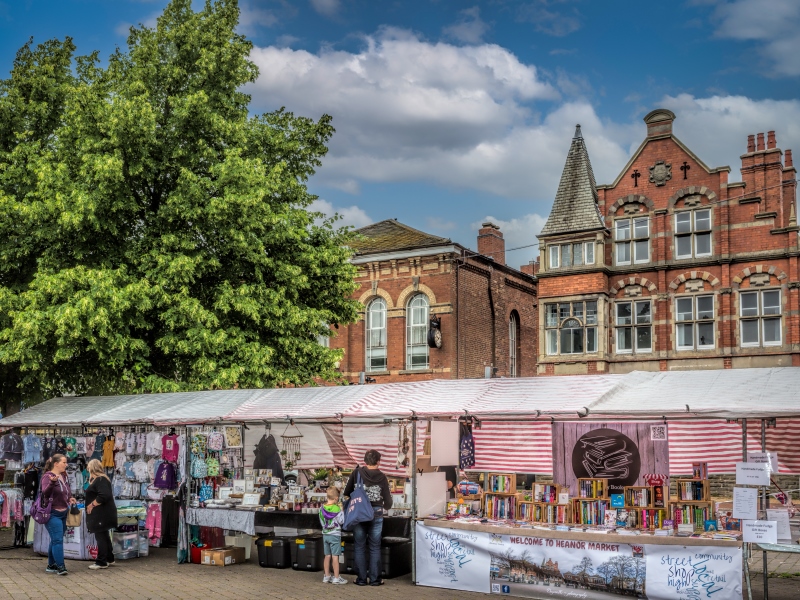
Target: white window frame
555,254
512,345
695,323
634,326
760,317
376,308
693,233
576,311
417,316
631,240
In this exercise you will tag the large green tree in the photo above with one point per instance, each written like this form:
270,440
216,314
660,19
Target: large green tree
154,235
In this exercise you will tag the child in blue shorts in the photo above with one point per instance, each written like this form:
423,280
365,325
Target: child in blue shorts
331,517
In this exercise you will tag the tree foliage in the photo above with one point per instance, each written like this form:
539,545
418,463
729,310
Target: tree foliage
155,236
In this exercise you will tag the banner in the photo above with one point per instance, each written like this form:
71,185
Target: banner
693,573
536,567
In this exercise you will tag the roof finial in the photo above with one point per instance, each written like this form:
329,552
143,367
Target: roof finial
578,132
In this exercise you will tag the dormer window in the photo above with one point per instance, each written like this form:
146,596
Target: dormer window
571,255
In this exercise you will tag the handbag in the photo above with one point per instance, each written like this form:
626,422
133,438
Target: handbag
358,508
41,511
74,517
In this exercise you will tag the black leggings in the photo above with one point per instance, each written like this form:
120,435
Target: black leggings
105,553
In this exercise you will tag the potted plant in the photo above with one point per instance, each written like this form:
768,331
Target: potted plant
321,477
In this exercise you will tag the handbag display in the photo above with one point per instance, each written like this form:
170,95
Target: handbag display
358,508
74,517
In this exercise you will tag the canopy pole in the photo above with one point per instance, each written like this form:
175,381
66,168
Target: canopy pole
414,499
764,506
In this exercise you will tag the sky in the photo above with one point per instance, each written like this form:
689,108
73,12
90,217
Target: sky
449,113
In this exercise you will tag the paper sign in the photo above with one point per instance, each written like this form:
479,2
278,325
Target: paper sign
563,498
781,517
752,473
760,532
445,450
617,500
770,458
745,503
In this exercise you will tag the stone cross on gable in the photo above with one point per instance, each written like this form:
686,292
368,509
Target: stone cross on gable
635,176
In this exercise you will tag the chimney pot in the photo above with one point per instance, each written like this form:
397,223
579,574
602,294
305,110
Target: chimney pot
751,143
771,142
787,161
760,142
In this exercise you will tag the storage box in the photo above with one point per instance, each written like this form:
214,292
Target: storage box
395,557
123,544
289,532
307,553
242,540
222,557
273,553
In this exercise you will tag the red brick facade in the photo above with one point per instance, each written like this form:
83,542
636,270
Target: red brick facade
473,295
691,250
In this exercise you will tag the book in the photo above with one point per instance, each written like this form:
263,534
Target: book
658,497
710,525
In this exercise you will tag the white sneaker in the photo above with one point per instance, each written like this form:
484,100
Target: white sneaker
327,579
338,580
96,567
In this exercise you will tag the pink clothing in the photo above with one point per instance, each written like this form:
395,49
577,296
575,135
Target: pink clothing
153,523
169,448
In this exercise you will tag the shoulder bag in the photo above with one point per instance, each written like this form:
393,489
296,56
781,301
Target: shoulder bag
358,508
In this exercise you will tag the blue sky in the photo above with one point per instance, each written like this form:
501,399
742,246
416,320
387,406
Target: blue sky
450,112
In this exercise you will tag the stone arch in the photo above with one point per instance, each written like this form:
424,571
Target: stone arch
631,199
623,283
370,294
755,270
688,191
420,288
704,275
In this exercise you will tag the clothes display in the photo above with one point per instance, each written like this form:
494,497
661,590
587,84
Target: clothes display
11,447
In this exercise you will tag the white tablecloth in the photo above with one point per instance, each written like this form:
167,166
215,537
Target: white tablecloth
238,520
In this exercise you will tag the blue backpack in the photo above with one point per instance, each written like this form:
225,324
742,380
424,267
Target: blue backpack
358,508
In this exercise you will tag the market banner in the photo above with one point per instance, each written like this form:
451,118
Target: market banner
529,566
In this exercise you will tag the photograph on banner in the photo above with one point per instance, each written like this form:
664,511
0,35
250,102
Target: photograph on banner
689,573
529,567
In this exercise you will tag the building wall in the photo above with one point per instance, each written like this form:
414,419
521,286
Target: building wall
754,247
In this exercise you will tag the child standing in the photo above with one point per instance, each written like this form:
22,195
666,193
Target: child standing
332,517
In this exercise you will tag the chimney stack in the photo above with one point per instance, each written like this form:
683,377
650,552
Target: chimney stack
659,122
787,160
771,143
491,243
760,144
751,143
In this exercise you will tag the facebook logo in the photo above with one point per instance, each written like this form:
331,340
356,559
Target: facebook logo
506,589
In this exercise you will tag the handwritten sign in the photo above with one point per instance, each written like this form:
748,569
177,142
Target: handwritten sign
745,503
781,517
769,458
694,572
760,532
453,559
752,473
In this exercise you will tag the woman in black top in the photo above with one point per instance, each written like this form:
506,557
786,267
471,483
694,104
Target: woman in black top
101,513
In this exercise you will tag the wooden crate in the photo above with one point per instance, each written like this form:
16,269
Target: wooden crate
604,483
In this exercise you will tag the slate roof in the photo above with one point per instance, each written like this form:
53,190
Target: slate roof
575,206
391,235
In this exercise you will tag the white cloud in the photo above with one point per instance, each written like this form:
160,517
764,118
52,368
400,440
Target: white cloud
469,28
518,233
252,18
351,215
773,24
547,19
328,8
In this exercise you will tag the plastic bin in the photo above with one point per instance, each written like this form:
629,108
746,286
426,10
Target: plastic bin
123,544
395,557
273,553
307,553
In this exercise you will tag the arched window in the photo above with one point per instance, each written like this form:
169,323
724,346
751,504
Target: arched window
376,335
417,333
513,326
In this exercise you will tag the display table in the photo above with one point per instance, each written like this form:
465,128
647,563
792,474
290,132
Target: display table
224,518
393,527
538,563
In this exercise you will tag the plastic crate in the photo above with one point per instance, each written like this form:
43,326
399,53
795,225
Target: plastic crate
273,553
307,553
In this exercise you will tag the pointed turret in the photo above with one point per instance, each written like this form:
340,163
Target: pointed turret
575,206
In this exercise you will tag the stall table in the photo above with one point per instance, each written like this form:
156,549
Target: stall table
393,527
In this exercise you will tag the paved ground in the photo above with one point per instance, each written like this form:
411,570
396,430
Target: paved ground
159,576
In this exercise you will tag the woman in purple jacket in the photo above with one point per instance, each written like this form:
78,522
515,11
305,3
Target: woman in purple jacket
55,486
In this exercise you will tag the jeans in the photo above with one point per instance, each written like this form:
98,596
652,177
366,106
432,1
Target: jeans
55,529
105,553
368,532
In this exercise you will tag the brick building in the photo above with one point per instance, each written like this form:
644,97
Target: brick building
670,266
486,310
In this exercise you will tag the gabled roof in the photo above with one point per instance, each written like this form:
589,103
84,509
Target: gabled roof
391,235
575,206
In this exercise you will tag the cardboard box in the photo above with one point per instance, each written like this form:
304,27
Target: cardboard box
222,557
240,540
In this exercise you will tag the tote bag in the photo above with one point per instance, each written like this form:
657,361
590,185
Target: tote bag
74,517
358,508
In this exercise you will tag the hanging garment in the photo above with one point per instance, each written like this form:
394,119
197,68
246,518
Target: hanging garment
165,477
80,445
32,449
141,443
139,469
153,523
154,444
169,447
169,522
11,447
130,443
61,446
71,452
467,446
120,458
181,457
119,441
108,453
48,448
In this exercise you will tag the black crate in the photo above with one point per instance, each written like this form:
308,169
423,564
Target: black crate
395,558
307,553
274,553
